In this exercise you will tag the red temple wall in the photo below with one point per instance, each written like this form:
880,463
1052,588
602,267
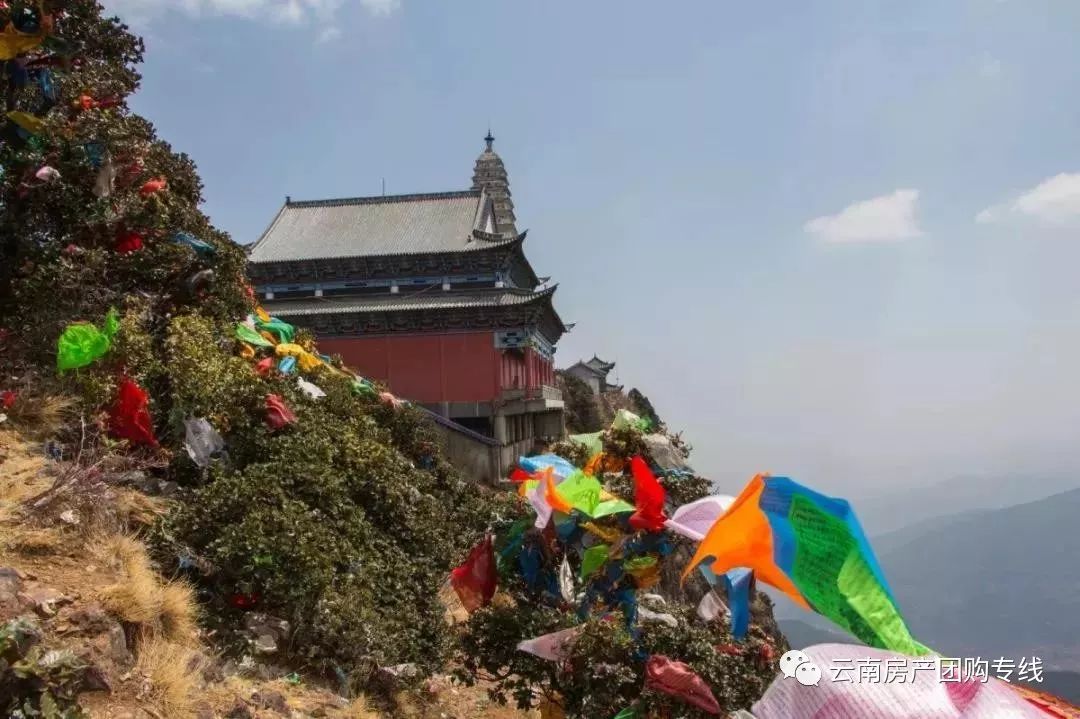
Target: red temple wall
458,367
425,368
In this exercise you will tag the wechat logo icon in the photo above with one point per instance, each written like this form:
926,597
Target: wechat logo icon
796,664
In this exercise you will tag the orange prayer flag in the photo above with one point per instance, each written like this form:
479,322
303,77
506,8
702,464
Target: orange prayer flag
742,537
551,494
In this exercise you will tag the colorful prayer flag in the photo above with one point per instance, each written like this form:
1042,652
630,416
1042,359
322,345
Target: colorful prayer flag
812,548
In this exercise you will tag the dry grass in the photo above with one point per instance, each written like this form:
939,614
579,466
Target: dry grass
174,672
35,542
21,465
21,477
179,612
135,509
40,417
359,709
136,598
140,597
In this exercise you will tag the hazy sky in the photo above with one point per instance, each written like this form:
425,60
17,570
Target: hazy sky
835,240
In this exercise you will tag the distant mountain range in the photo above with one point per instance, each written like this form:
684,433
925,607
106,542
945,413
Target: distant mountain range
889,511
993,583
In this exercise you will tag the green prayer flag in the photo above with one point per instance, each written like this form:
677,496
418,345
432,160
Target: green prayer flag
625,419
627,713
834,576
612,506
593,442
581,491
284,331
637,563
246,334
112,323
360,386
595,557
83,343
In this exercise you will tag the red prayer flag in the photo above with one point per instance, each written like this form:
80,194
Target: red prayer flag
679,680
7,398
278,413
128,242
476,579
263,366
244,601
152,186
649,498
129,417
519,475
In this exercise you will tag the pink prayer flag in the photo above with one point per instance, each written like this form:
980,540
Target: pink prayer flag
679,680
694,520
554,647
921,693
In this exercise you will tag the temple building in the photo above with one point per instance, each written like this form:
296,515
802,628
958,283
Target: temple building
431,294
594,373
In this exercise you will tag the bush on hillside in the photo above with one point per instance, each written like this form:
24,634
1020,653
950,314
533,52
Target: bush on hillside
35,682
344,523
644,408
582,409
604,671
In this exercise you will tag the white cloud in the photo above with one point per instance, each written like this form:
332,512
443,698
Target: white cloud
1054,201
381,7
881,219
328,35
295,12
989,66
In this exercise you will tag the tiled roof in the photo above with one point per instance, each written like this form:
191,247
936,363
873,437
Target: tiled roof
434,298
600,365
371,226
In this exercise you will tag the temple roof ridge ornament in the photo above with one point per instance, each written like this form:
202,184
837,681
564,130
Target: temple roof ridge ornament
499,238
384,199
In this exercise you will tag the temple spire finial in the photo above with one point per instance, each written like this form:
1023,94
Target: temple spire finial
490,175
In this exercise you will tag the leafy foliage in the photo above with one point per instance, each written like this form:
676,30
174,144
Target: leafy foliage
643,407
582,410
346,522
35,682
331,523
604,670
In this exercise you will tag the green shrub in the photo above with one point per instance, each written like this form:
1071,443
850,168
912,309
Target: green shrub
35,682
604,670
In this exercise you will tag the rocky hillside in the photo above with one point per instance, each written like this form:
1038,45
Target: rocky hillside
85,614
203,515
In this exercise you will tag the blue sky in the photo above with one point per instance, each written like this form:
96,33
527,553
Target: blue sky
836,240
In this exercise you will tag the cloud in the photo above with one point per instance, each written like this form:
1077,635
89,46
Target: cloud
328,35
381,7
1054,201
292,12
989,66
881,219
